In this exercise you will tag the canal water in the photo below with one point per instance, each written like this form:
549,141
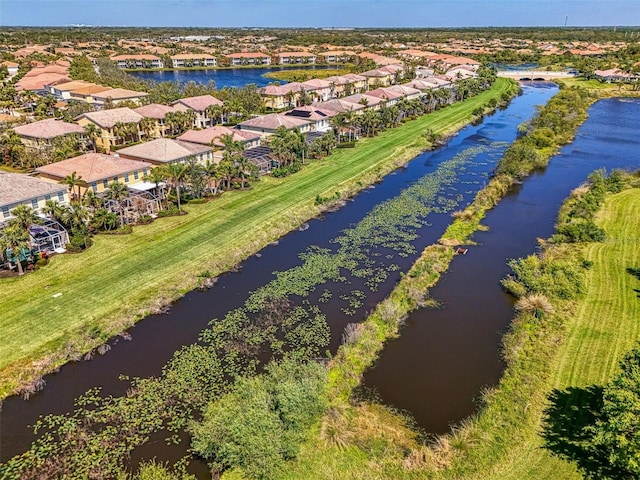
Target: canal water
444,358
230,77
158,336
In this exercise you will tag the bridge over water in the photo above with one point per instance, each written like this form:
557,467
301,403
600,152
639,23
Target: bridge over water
534,75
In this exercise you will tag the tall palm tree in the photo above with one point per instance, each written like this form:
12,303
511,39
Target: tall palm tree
147,126
74,182
24,217
175,174
214,175
53,210
156,176
15,239
214,112
93,132
339,122
117,192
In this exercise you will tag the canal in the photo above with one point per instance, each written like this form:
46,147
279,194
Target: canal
444,358
472,155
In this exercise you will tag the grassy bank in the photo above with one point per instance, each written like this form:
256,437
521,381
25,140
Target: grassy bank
122,278
302,75
522,158
579,341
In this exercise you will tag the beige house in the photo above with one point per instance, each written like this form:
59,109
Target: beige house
358,83
289,58
277,97
199,105
320,90
162,151
266,125
248,58
213,136
117,95
85,94
337,56
131,62
63,90
96,170
20,189
157,112
189,60
42,134
106,120
317,116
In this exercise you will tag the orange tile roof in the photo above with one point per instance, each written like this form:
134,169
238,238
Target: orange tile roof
93,167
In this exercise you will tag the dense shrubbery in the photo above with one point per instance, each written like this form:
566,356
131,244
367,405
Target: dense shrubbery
576,218
261,422
554,126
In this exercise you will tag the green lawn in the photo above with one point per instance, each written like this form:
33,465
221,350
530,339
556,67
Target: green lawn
605,327
120,278
600,328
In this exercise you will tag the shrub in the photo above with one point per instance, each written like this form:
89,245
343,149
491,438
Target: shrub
41,262
536,304
170,212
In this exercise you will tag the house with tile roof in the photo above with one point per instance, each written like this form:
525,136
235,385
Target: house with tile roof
190,60
368,101
339,105
290,58
318,116
199,105
20,189
213,136
107,121
266,125
85,94
337,56
96,170
319,89
117,95
42,134
157,112
248,58
162,151
131,62
277,97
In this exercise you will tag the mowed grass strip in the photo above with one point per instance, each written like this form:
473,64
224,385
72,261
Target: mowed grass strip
604,327
120,278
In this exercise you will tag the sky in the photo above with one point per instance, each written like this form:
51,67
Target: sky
320,13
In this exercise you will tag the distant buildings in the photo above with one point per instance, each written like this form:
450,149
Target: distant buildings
132,62
248,58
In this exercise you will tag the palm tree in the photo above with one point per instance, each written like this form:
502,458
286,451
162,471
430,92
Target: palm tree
175,174
103,219
156,176
15,239
214,112
339,122
117,192
76,217
147,126
12,150
214,176
74,181
24,217
93,132
53,210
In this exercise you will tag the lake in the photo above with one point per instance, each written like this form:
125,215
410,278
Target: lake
232,77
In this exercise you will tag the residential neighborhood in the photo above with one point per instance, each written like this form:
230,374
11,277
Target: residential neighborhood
119,134
319,250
